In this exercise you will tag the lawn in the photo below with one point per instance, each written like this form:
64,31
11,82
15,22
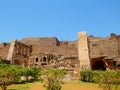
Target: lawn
74,85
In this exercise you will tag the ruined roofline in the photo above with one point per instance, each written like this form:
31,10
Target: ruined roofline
38,37
4,43
104,37
47,38
17,41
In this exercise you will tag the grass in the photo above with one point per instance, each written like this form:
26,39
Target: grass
73,85
79,85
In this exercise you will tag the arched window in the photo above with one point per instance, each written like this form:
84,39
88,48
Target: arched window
37,59
44,59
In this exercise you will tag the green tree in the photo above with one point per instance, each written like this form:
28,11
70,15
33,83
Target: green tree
5,76
16,72
9,74
53,79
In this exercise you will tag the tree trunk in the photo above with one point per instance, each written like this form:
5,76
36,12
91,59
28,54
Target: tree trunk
3,86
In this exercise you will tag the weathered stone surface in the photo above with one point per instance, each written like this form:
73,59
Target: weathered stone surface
43,51
88,52
103,47
19,53
4,48
83,50
46,41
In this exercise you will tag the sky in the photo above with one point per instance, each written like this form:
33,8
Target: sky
58,18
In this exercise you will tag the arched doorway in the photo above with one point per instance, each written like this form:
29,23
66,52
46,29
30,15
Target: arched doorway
98,64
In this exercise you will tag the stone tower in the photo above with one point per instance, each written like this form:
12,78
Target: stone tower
83,51
11,51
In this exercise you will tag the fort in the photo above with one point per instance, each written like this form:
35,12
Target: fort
88,52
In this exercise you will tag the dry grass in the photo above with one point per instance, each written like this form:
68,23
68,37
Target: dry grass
76,85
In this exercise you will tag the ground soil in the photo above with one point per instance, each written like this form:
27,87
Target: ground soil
76,85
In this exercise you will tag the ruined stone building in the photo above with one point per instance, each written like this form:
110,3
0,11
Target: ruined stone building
88,52
99,53
41,52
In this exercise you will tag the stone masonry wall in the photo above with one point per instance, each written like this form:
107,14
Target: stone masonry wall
100,47
52,45
4,48
86,48
46,41
18,53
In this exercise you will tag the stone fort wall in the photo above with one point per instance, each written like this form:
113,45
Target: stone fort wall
89,49
52,45
100,47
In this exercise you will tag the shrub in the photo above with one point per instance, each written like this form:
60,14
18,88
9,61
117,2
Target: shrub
87,76
53,78
12,73
106,79
35,72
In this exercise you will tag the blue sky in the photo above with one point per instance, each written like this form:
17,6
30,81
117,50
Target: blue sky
58,18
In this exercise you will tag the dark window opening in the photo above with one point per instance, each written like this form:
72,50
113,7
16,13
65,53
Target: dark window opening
36,59
118,66
40,60
44,59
